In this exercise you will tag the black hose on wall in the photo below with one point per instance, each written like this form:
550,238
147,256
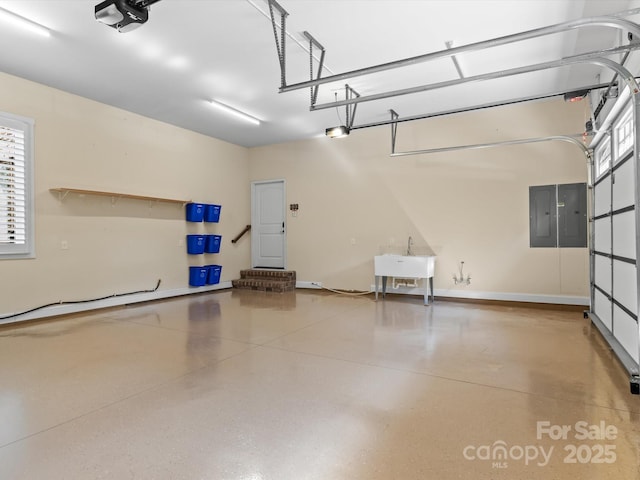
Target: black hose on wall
75,302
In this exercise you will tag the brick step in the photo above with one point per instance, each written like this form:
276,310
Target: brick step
266,280
266,285
260,273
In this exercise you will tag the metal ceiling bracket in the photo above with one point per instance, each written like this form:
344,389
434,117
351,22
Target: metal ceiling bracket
313,42
454,59
590,57
350,108
280,40
602,21
394,129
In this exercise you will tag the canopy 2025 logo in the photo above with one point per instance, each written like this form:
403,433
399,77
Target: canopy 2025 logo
593,446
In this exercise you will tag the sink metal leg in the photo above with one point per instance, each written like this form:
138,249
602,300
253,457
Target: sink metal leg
384,285
426,291
376,286
433,295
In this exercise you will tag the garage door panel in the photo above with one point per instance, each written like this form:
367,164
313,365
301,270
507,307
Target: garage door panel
602,192
624,234
603,273
626,331
623,186
625,288
602,308
602,241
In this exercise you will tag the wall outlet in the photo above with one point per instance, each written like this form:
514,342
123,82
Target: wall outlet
353,241
64,245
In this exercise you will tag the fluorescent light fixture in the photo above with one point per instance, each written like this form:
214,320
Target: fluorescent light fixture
234,112
24,23
337,132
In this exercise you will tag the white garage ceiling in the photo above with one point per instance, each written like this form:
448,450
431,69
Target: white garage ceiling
193,51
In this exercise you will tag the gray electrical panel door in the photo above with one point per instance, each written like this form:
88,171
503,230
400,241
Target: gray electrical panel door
572,215
542,216
558,215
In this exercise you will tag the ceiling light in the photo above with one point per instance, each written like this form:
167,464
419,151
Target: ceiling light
24,23
235,112
123,15
337,132
350,112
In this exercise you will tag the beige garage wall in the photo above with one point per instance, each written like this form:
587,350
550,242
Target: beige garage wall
129,245
469,206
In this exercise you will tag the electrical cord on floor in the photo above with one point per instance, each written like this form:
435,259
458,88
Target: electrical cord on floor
74,302
342,292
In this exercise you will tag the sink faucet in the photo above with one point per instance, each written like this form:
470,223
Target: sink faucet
409,243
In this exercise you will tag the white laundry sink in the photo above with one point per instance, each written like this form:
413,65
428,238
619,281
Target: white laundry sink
405,266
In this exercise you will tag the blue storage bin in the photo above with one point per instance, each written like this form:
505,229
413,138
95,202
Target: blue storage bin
213,275
212,213
198,276
195,212
195,244
212,243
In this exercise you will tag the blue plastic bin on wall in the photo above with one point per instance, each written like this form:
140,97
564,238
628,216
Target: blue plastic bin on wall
212,243
213,275
195,212
198,276
195,244
212,213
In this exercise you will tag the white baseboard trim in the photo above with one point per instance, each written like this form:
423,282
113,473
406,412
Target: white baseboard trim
514,297
65,309
500,296
312,285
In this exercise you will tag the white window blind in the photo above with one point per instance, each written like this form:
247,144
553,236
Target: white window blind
16,218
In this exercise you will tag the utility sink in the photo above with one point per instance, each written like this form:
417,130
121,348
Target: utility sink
405,266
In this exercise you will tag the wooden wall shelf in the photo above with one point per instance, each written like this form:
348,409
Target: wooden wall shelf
64,191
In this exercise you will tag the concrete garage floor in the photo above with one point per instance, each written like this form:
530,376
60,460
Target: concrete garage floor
248,385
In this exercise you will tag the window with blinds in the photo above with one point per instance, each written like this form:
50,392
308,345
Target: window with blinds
16,216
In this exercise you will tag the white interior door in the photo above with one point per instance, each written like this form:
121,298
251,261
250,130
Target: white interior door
268,229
